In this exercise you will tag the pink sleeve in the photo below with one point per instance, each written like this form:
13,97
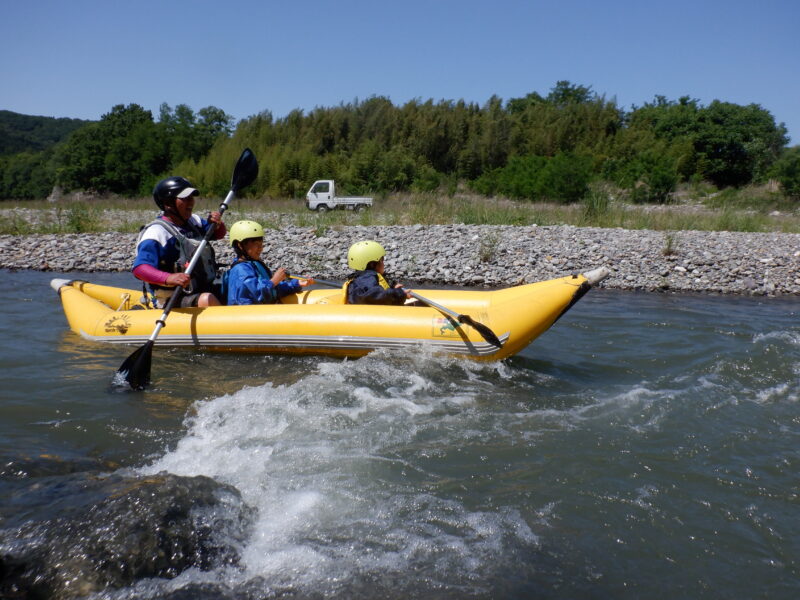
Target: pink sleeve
150,274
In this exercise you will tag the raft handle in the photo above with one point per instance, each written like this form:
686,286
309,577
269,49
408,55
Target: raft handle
125,301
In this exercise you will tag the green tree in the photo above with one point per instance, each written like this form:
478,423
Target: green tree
81,159
121,153
787,171
192,136
570,119
178,124
496,134
26,175
732,145
426,179
565,92
655,181
737,144
565,178
520,178
667,119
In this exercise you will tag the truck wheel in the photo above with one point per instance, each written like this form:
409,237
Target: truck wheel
361,207
322,208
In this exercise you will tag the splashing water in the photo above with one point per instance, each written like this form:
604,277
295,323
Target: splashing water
646,446
330,462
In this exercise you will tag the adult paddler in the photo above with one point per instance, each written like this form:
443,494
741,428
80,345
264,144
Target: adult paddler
166,245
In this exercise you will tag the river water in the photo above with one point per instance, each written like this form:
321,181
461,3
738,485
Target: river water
648,446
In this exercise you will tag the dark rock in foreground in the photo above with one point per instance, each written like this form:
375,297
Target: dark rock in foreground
82,533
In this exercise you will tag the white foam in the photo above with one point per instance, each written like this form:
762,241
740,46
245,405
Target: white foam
786,391
640,407
319,461
789,336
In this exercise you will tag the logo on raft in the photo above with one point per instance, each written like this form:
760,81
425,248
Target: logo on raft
120,324
444,327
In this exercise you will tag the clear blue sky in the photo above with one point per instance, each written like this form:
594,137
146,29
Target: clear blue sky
79,58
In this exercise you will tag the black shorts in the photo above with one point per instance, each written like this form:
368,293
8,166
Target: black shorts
190,300
187,300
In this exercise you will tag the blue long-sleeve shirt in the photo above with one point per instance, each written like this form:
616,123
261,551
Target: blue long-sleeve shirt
248,282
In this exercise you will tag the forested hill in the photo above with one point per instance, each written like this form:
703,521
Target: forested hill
556,147
26,133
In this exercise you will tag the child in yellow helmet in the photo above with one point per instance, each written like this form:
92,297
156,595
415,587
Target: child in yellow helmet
367,284
249,280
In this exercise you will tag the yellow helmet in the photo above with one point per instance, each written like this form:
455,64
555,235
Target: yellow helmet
361,254
244,230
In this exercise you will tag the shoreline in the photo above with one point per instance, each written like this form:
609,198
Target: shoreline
761,264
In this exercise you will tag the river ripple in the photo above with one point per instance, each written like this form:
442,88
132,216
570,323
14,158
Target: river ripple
647,446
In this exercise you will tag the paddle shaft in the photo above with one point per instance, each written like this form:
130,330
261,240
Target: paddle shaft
482,329
439,307
413,294
315,280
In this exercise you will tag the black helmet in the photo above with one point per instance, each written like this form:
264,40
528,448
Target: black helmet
171,188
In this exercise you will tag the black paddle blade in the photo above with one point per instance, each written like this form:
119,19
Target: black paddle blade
487,333
136,368
245,171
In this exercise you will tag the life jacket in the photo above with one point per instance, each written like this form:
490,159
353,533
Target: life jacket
381,282
262,273
205,271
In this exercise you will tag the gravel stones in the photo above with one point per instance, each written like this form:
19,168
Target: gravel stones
479,255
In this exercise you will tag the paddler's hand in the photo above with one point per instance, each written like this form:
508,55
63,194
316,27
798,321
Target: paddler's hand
301,281
181,279
215,217
278,276
406,290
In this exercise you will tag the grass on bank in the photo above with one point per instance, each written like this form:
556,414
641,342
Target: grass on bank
748,210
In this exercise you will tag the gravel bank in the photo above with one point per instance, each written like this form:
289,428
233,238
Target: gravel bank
480,255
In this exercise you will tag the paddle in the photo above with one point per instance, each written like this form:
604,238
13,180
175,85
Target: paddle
485,332
136,368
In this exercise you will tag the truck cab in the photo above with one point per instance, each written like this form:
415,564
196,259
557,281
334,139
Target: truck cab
320,195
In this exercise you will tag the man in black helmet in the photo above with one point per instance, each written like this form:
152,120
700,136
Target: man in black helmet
166,245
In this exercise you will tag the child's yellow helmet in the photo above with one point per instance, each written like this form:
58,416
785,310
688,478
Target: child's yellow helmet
363,253
244,230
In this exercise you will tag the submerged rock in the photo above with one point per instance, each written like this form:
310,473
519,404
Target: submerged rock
43,465
84,533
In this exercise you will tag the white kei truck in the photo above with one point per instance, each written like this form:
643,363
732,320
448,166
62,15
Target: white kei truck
322,197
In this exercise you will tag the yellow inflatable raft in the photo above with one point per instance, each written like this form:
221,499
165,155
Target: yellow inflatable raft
317,322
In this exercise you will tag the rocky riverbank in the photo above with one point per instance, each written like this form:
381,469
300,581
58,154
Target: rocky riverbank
480,255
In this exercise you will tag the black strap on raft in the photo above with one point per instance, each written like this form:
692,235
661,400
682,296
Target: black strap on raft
146,295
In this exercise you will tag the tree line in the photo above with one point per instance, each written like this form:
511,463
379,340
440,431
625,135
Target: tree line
124,153
535,147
